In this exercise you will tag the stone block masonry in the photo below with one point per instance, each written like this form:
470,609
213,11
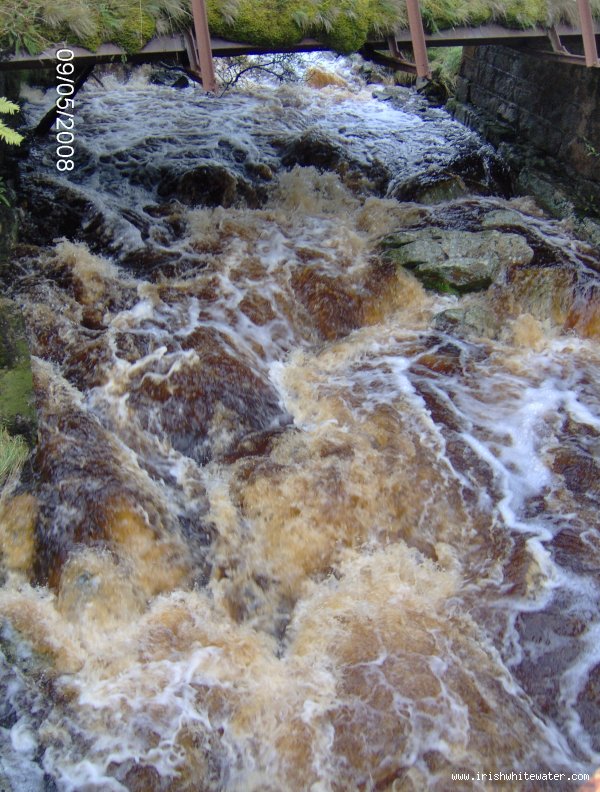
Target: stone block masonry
544,116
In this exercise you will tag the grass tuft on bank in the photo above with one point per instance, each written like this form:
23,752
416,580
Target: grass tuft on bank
344,24
13,453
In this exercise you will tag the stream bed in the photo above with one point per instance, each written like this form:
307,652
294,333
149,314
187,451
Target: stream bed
312,506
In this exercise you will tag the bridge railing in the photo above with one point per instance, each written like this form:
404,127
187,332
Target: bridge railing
201,61
587,32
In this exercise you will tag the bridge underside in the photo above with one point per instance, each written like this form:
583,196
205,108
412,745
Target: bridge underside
168,47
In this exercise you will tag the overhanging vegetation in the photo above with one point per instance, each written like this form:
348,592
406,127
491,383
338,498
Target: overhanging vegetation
344,24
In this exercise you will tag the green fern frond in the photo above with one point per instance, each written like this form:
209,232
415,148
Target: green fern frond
8,107
9,135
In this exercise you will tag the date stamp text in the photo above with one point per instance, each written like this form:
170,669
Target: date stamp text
65,106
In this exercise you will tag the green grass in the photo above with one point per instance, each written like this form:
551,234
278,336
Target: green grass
345,24
16,379
13,453
445,65
35,24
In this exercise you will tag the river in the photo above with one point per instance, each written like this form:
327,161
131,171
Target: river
295,521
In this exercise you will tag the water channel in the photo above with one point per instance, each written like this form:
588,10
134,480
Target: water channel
296,521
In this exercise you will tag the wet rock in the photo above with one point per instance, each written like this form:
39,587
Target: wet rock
260,170
144,261
472,320
87,363
52,211
504,219
474,170
17,523
258,309
169,78
579,470
544,292
392,92
587,706
206,185
549,649
371,73
432,187
312,149
181,82
210,185
256,444
335,310
143,778
172,215
73,455
456,261
321,78
316,150
589,229
573,553
89,495
209,403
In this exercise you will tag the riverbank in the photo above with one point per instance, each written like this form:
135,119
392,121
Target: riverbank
17,411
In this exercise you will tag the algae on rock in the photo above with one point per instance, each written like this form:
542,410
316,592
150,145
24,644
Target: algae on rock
457,262
17,410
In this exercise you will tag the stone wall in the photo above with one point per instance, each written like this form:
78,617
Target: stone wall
544,116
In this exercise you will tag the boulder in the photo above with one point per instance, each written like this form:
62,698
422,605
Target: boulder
316,150
505,219
433,186
312,149
210,184
207,185
52,210
475,319
474,170
456,261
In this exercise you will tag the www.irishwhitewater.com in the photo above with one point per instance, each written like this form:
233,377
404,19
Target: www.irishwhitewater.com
520,776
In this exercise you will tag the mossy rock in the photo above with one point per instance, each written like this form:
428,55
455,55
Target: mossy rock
456,262
343,24
351,23
266,23
17,411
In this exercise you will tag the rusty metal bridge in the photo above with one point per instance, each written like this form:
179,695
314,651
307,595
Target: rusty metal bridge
199,48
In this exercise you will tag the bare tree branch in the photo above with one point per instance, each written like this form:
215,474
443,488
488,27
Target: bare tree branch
281,67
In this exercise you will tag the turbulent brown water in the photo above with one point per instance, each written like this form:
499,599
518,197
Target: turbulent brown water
288,526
